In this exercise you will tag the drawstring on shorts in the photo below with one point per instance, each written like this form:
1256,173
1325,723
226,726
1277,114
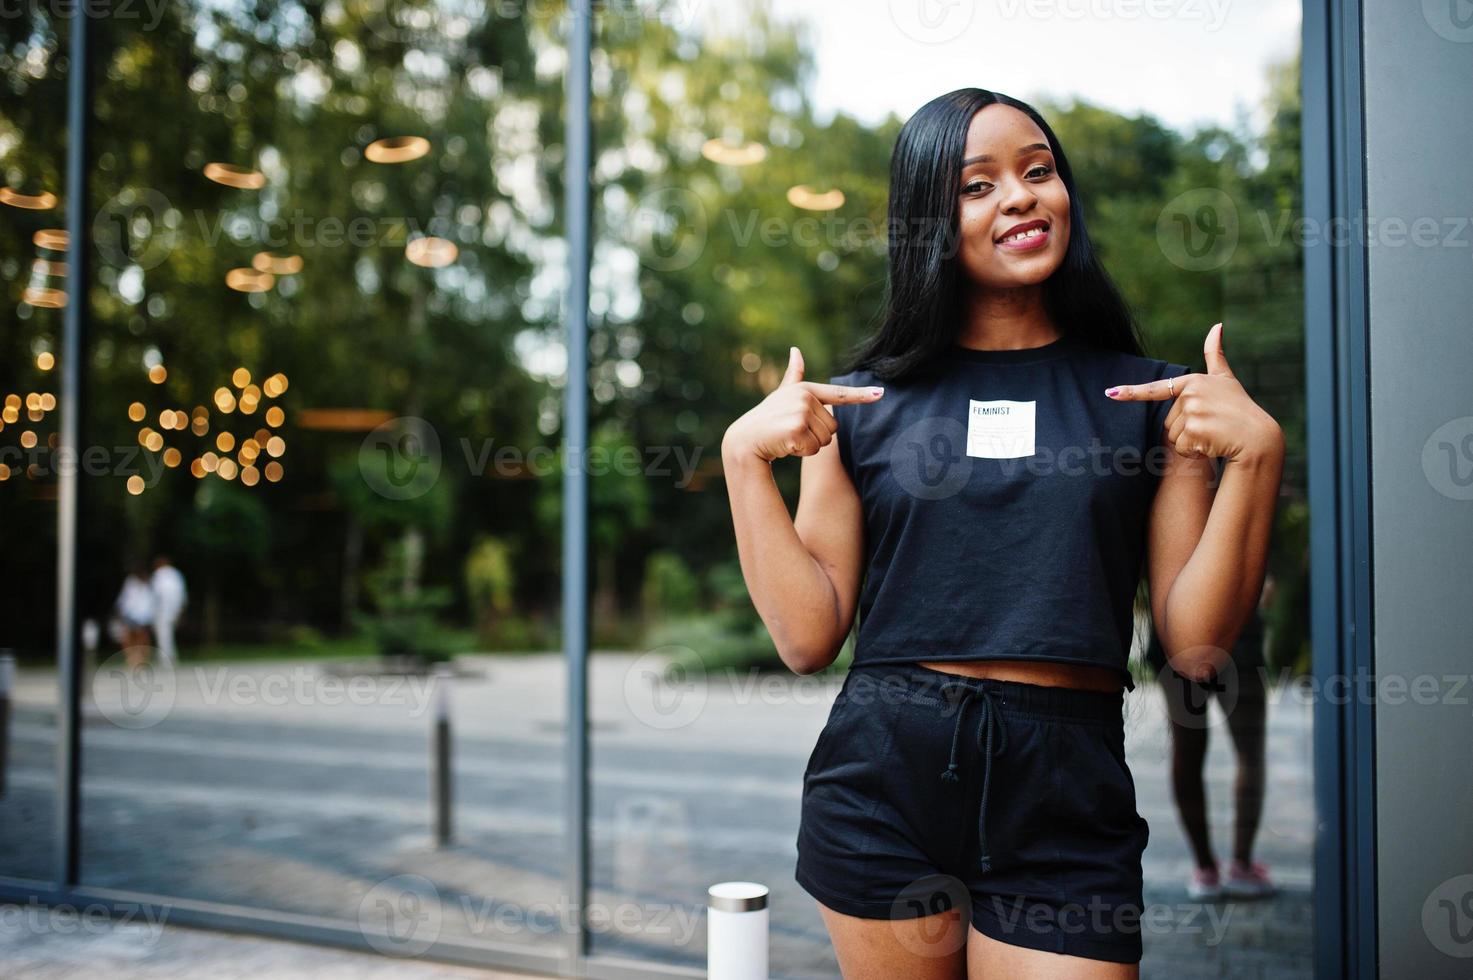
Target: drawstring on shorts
992,739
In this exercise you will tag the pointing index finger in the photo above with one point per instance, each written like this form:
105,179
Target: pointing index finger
843,394
1151,391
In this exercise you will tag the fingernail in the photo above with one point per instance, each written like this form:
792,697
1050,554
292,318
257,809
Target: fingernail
877,392
1111,392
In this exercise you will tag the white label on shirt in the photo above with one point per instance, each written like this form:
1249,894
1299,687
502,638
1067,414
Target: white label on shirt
1000,429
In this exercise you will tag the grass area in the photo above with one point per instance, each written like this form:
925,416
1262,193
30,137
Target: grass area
317,647
341,648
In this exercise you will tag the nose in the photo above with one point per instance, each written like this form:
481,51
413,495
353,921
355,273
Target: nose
1017,197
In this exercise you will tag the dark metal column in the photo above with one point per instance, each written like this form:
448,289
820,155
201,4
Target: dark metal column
575,479
72,405
1338,440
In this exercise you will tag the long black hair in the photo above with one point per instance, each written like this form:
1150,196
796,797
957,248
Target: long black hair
922,313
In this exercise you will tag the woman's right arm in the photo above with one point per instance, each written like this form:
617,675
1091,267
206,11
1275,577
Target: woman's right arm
803,573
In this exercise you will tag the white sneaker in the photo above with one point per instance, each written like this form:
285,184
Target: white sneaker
1204,885
1249,881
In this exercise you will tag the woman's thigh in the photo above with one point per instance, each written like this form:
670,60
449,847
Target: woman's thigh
989,958
932,947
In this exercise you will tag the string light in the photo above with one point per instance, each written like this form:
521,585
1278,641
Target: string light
242,178
396,149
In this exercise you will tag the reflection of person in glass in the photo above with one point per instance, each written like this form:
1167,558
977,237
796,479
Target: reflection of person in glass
170,596
133,614
1240,693
968,806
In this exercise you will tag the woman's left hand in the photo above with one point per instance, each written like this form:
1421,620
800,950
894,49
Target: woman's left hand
1213,415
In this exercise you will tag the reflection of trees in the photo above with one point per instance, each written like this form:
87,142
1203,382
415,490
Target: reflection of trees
704,273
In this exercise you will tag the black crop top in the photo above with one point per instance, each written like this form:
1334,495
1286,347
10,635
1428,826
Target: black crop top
1005,502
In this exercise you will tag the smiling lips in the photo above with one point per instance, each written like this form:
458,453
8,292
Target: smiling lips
1025,237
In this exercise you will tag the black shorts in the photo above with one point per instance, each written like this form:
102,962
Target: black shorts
893,824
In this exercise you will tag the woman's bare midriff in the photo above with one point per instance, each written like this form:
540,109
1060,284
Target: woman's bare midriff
1033,672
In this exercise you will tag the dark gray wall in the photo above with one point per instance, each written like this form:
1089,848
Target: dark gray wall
1419,168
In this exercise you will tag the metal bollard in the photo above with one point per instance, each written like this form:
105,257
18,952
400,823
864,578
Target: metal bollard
91,634
7,682
440,772
736,931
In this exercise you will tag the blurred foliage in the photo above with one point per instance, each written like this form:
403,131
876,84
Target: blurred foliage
488,581
670,588
406,620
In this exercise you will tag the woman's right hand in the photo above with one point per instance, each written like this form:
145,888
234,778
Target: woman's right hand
793,420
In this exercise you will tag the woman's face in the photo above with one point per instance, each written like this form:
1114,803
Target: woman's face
1008,179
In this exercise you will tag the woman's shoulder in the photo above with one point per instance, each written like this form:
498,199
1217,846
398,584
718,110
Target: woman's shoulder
858,378
1131,368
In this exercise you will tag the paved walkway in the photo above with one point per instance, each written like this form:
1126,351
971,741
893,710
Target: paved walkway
71,948
281,786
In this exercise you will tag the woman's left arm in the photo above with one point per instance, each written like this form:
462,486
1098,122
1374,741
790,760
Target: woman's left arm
1208,552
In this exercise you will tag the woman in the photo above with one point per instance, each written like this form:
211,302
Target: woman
133,612
1241,694
998,464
